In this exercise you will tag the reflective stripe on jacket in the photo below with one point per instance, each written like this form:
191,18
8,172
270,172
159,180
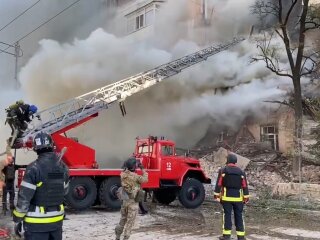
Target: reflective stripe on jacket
46,210
231,185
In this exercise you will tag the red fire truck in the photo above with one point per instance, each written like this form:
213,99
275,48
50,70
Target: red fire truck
170,175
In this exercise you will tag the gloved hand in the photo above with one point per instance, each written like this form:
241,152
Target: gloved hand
245,200
39,118
16,219
217,198
18,228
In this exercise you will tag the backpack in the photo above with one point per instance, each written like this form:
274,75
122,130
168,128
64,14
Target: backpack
10,172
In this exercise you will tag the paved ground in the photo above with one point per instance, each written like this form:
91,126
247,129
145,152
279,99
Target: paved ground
175,222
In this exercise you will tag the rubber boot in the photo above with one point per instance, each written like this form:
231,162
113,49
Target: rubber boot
118,232
225,237
4,209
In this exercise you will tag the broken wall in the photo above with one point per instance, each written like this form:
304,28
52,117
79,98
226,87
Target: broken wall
282,119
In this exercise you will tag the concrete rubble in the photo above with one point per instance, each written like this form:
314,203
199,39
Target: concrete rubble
267,170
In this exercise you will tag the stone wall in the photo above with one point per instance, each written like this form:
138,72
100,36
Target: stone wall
309,192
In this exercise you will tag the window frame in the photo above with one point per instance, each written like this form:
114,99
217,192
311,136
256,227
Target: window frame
270,136
137,19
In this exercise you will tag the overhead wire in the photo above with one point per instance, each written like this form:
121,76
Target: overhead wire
44,23
41,25
5,26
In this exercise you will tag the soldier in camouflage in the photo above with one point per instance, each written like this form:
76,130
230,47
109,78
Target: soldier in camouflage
131,187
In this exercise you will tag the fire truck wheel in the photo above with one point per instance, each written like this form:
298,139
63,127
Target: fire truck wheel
82,193
108,191
165,196
192,193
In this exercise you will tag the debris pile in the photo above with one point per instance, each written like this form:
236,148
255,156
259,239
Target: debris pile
265,167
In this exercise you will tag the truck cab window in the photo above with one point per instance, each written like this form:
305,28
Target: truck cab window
144,149
167,150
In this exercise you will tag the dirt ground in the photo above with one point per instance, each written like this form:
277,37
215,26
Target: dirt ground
176,222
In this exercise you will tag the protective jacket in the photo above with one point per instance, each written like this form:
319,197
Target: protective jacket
20,112
41,194
231,185
131,182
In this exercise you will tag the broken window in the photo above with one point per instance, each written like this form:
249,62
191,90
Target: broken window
270,134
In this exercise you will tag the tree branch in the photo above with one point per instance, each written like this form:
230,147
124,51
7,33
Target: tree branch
293,3
315,26
299,56
283,102
280,35
280,12
313,18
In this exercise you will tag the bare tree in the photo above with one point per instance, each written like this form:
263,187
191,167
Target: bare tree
290,20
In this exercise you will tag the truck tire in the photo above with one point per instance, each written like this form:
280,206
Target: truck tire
108,191
82,193
165,196
192,193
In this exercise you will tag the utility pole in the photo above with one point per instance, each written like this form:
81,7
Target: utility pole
205,19
17,53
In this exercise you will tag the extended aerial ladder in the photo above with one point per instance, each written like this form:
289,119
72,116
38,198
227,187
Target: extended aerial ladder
64,116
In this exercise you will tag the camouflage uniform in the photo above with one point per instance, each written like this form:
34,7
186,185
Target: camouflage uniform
131,183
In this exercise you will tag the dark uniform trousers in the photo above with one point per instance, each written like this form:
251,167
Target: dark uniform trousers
8,189
237,208
53,235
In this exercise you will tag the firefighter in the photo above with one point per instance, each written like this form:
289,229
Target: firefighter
8,189
40,198
131,189
19,115
232,192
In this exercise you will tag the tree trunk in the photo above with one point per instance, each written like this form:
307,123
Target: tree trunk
296,164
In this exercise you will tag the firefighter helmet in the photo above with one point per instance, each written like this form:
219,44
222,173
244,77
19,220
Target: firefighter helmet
231,158
131,164
42,141
33,109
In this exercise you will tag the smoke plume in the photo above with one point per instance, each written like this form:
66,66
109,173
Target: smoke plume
181,108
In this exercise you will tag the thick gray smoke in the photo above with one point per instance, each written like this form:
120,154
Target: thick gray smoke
77,21
182,107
